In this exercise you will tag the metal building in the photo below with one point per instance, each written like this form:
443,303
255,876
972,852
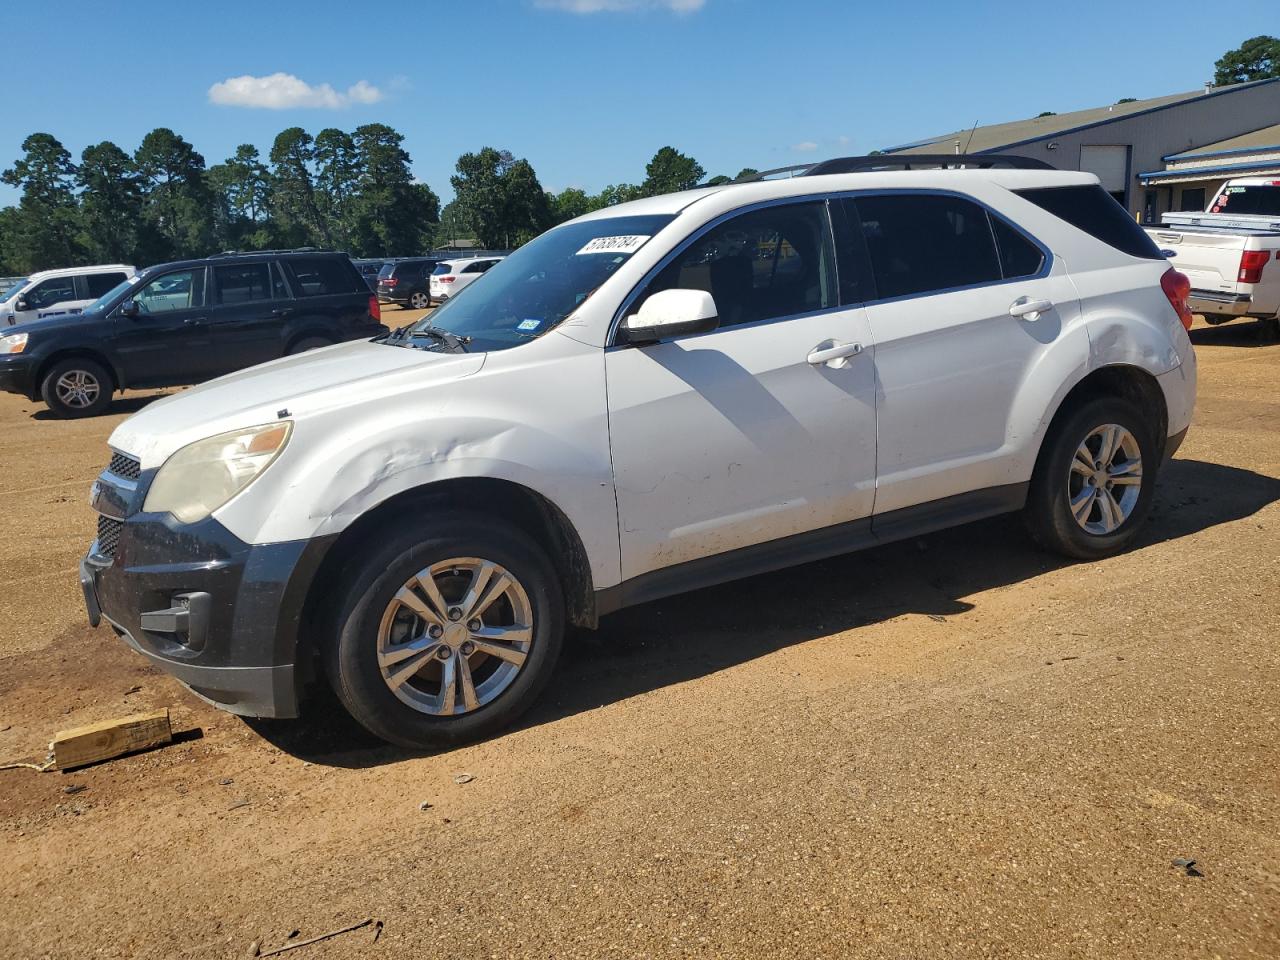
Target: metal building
1143,150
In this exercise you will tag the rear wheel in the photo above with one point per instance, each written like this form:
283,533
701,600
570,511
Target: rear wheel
77,387
1093,487
1269,329
447,633
419,300
309,343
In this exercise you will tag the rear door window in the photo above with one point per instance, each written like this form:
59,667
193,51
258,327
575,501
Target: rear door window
243,283
100,283
1019,256
1090,208
924,243
320,276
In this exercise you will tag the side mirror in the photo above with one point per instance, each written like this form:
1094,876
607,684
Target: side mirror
21,305
672,313
129,308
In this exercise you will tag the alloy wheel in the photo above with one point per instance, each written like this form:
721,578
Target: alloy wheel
78,389
455,636
419,301
1105,479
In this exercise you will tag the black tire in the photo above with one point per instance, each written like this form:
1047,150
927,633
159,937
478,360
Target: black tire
375,576
1048,511
1269,329
94,396
308,343
419,300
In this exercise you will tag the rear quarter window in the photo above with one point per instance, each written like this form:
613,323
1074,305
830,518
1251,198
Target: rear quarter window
1090,208
320,276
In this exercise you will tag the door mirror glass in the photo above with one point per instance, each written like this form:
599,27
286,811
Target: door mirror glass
22,305
672,313
129,309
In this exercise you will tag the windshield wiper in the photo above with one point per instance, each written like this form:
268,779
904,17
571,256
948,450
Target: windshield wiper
451,340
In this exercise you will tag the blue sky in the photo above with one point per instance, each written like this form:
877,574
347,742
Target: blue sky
587,90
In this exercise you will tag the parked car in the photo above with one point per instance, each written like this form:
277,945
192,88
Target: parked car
451,276
52,292
186,322
635,404
404,282
369,269
1225,252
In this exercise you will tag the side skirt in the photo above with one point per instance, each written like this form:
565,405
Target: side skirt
813,545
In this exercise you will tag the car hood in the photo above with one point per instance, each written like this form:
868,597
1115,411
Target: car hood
349,374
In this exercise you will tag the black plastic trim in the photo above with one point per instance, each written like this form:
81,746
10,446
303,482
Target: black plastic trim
813,545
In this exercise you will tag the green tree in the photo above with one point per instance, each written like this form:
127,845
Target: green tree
749,172
718,180
669,171
500,197
617,193
454,224
338,169
178,204
243,186
294,206
1258,58
111,199
572,202
44,232
391,213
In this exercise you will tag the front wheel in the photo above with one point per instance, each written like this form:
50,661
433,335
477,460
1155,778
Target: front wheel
1095,480
447,634
419,301
77,387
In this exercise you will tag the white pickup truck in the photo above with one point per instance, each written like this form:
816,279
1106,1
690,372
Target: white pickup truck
1231,252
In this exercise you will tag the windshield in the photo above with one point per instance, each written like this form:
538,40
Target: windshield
535,288
13,289
105,300
1255,200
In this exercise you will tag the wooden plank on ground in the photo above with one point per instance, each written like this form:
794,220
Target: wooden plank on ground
111,738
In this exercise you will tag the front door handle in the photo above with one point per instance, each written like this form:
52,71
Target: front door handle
282,311
1027,309
195,321
835,352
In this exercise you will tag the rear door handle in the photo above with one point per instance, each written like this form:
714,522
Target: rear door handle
195,321
1028,309
838,351
282,311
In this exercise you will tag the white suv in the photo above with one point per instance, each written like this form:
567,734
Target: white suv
649,399
53,292
451,276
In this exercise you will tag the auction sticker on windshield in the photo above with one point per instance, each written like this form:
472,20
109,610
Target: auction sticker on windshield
629,244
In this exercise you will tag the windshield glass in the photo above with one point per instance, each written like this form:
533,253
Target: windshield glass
110,295
535,288
1255,200
13,289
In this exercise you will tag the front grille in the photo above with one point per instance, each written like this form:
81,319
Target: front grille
108,535
125,466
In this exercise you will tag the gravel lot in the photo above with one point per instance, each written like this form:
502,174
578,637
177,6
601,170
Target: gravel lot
950,747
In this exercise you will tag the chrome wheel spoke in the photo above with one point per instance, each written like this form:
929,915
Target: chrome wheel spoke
1110,441
392,655
407,598
1108,511
1082,462
469,699
427,584
500,585
1082,505
448,685
406,669
503,651
479,580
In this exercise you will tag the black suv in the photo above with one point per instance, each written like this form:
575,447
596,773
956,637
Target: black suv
407,282
179,323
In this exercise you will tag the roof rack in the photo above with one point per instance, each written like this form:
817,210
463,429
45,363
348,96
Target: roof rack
254,253
904,161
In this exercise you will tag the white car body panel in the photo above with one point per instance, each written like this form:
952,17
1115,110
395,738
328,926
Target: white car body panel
662,454
11,316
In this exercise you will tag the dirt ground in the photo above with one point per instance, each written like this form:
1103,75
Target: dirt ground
950,747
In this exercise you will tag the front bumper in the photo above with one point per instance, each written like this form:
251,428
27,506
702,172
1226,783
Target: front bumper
16,373
220,615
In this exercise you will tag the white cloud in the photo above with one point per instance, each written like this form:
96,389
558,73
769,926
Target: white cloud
804,146
616,6
284,91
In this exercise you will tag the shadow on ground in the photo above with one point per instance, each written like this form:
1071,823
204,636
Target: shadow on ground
1243,334
119,405
695,634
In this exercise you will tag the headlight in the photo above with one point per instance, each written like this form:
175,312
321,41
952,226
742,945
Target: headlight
15,343
204,475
